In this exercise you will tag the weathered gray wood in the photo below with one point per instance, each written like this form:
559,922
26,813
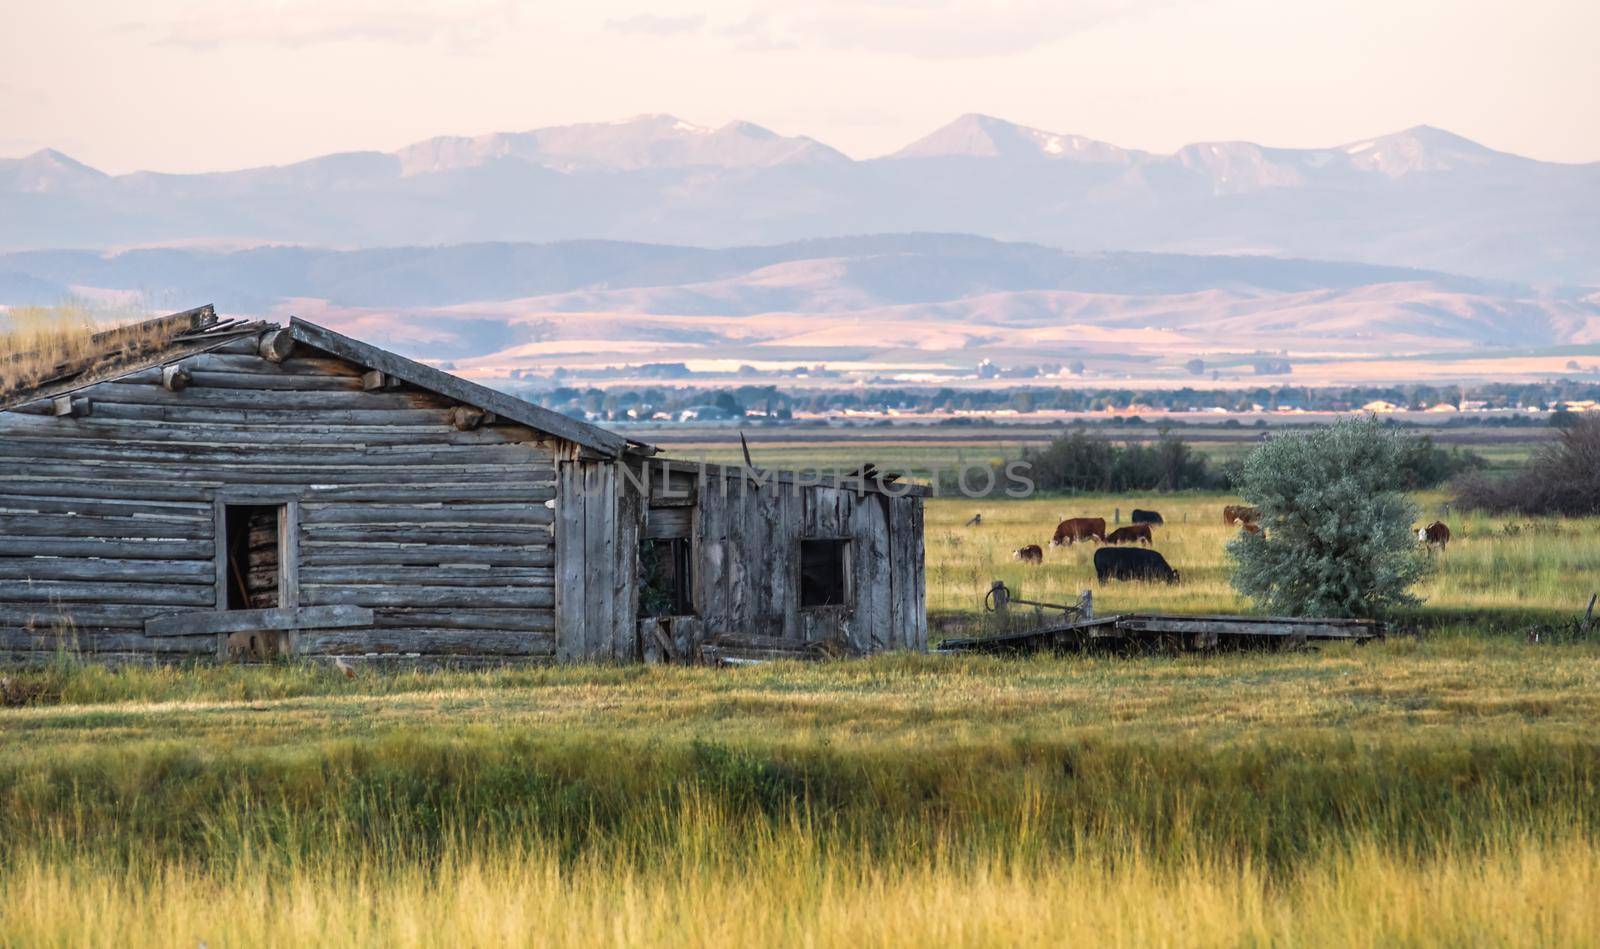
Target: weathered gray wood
299,364
242,621
83,615
428,642
514,620
113,549
206,414
456,575
382,555
289,578
306,456
379,474
79,487
465,418
69,525
72,568
872,583
50,591
18,641
460,389
569,552
598,537
1242,626
126,393
175,378
276,345
69,406
374,595
98,507
436,513
629,526
457,537
534,490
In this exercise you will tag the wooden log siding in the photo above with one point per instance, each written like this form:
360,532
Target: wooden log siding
106,520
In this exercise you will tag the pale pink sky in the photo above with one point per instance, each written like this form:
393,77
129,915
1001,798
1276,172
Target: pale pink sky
179,85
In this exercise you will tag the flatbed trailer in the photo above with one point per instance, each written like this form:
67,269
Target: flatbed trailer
1079,630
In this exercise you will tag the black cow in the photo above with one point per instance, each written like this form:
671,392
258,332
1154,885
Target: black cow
1147,517
1132,563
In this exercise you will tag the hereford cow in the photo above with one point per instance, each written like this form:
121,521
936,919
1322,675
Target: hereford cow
1132,563
1147,517
1079,528
1032,553
1240,514
1434,535
1133,533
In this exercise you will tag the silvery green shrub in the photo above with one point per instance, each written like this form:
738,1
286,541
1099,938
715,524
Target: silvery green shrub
1337,537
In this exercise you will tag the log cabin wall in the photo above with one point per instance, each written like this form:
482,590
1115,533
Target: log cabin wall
746,558
111,518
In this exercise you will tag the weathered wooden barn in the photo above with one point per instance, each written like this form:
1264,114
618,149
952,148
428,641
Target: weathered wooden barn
241,489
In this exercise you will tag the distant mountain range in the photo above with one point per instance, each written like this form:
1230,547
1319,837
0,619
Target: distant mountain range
1422,198
930,308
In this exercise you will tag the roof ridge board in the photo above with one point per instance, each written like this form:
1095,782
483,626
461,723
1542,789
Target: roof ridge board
462,390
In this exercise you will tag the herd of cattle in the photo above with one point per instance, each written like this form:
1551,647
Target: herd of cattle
1115,562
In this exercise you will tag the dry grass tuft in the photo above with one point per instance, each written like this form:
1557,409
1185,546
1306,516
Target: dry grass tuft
38,343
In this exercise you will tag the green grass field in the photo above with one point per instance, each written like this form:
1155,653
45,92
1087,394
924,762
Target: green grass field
1439,788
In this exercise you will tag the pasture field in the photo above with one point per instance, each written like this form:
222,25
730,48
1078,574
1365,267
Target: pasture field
1441,788
1498,573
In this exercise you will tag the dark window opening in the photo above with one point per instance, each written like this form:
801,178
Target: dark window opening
254,569
824,573
665,568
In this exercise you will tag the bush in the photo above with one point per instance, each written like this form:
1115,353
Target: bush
1336,538
1078,461
1562,478
1425,465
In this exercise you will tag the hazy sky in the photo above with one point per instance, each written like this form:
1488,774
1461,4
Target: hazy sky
175,85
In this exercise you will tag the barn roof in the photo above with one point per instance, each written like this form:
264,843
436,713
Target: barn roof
125,350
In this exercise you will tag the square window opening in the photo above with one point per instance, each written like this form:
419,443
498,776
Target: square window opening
666,577
824,573
254,555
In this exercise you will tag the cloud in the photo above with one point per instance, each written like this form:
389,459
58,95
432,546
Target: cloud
302,23
930,29
647,24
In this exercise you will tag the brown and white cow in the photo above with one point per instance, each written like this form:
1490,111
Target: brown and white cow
1079,528
1032,553
1434,535
1240,514
1133,533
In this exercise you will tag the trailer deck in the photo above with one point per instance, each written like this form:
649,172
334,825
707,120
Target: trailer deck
1079,630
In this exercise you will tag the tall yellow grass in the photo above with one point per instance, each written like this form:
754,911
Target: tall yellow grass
791,895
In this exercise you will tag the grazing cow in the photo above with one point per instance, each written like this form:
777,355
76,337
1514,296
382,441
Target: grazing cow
1132,563
1032,553
1079,528
974,521
1435,535
1133,533
1250,527
1240,514
1147,517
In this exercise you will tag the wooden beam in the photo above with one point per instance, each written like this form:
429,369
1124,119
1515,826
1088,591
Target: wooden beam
454,387
71,406
465,418
175,378
244,621
276,345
